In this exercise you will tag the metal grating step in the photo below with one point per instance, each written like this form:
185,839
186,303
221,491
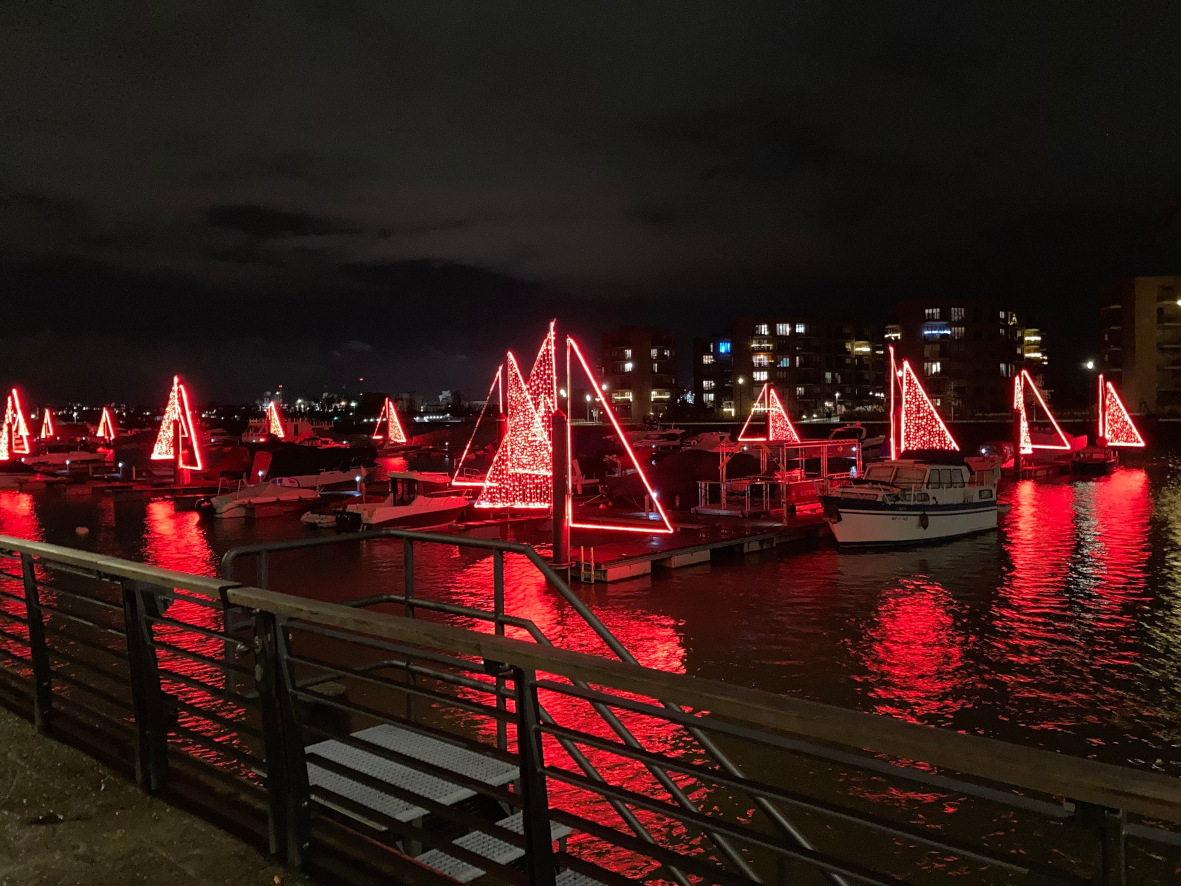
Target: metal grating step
440,753
571,878
492,848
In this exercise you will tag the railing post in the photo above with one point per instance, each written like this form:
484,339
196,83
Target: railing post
1113,846
408,594
288,794
498,621
263,575
539,851
38,651
147,696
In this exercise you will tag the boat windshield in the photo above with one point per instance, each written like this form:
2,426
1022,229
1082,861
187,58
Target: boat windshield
880,474
910,475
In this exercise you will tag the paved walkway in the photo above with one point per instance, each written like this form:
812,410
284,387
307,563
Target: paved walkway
66,819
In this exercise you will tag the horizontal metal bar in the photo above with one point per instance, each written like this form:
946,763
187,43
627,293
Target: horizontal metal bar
871,764
77,595
16,658
15,598
13,619
472,663
718,777
114,677
123,704
230,697
219,666
489,687
239,726
185,733
474,707
56,633
75,619
191,629
1156,835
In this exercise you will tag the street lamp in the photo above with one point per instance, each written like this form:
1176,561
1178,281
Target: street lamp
588,407
1090,364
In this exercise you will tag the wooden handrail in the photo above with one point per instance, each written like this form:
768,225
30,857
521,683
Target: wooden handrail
1048,772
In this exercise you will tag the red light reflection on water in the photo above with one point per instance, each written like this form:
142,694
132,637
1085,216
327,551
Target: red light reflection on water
18,517
916,659
177,540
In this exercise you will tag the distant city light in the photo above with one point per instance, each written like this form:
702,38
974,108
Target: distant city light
1090,364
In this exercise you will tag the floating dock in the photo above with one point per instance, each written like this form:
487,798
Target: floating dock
698,540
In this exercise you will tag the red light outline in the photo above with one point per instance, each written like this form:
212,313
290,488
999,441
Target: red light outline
893,384
668,529
106,426
177,411
393,427
775,406
274,422
908,376
47,428
1110,395
20,446
525,441
455,481
1019,384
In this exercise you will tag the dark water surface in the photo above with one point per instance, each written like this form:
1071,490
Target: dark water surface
1062,630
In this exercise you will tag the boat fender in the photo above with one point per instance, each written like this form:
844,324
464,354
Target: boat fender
924,521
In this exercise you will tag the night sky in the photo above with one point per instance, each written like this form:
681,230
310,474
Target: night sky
308,193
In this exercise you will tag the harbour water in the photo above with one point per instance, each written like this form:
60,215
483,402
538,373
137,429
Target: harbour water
1062,630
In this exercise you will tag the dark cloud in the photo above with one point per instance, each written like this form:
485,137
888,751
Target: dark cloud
266,221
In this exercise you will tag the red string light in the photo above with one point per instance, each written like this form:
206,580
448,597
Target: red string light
1020,383
106,426
782,430
920,425
274,422
667,527
1114,422
521,475
47,428
543,378
177,414
457,480
388,427
15,432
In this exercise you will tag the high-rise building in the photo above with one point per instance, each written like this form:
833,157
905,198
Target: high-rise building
640,371
821,369
1141,341
966,351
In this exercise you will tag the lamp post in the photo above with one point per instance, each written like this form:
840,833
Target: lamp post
588,407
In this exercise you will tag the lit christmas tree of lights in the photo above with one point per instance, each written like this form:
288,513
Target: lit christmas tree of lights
1114,422
388,427
521,475
15,432
1024,381
458,479
177,413
274,422
782,430
920,425
106,426
47,428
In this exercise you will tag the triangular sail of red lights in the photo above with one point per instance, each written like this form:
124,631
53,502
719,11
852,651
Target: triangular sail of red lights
274,421
521,474
178,424
919,425
1022,382
106,426
666,527
770,408
543,377
388,427
457,479
1115,424
47,428
16,429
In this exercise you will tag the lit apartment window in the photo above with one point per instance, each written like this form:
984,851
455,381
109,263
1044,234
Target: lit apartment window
1002,315
655,352
627,367
784,362
801,329
893,332
662,395
761,359
621,396
761,329
932,368
932,314
1004,370
828,378
707,359
800,391
707,399
627,353
957,332
723,347
707,384
654,369
783,329
957,314
759,375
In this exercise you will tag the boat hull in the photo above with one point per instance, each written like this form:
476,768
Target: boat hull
403,516
1092,468
864,523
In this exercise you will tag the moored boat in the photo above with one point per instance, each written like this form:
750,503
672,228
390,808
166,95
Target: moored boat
258,499
417,500
1094,461
906,501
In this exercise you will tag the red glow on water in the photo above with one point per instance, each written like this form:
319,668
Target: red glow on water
177,424
770,408
176,540
916,659
18,517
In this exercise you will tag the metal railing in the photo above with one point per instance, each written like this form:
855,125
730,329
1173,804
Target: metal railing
123,659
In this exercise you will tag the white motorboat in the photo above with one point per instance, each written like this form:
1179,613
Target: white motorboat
327,478
911,502
63,459
256,500
417,500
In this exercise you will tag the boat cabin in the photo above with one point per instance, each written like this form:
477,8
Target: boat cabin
406,486
920,483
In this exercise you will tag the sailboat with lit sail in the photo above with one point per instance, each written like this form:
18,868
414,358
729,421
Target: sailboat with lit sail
931,496
1116,430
